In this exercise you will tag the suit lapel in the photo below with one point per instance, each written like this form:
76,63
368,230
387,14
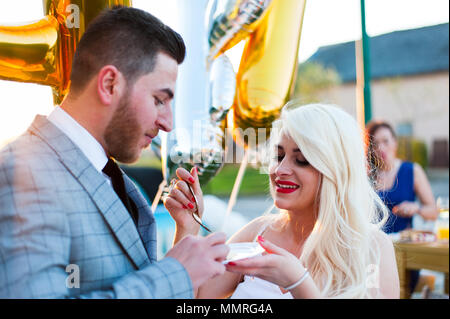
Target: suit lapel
146,223
96,186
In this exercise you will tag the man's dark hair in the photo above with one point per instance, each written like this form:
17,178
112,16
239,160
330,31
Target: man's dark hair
127,38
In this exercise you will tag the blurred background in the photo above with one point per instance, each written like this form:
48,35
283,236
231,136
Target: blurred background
409,86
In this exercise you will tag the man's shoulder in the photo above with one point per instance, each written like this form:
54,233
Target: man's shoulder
27,149
28,159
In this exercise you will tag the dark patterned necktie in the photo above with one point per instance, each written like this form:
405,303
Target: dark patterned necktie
113,171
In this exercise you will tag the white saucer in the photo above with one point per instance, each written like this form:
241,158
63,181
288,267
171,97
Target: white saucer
243,250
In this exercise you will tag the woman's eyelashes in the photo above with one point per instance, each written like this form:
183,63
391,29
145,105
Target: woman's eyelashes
279,158
299,162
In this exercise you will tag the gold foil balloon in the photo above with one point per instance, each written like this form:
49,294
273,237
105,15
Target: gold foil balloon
267,69
42,52
232,21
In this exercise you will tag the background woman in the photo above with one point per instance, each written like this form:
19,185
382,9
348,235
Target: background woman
398,183
325,242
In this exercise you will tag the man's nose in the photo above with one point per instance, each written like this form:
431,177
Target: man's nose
165,121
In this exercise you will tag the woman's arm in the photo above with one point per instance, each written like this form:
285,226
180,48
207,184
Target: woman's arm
427,208
279,267
223,286
422,187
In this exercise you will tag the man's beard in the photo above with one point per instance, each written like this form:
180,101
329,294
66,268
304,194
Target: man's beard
122,133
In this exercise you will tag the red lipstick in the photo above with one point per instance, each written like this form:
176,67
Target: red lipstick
285,187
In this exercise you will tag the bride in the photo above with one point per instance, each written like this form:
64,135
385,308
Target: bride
326,241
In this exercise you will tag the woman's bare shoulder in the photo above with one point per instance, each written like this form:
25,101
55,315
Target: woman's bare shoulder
250,231
385,244
390,285
381,238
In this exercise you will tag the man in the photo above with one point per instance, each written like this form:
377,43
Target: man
71,223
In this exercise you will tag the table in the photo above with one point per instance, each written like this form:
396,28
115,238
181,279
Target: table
432,256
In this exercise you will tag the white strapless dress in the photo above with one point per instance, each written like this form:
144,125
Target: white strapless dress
256,288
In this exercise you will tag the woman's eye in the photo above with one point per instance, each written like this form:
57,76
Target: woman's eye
278,158
302,163
158,101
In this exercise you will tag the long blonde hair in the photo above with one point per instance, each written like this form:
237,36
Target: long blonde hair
341,250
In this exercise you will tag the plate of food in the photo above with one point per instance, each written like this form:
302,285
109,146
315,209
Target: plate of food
243,250
417,236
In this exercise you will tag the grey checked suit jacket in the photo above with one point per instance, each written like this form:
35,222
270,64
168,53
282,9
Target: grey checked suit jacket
57,211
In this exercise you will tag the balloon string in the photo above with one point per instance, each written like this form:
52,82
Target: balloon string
158,195
236,186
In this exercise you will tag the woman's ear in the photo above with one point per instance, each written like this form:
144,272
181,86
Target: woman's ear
109,84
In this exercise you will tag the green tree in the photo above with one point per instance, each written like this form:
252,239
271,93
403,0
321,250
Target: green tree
312,78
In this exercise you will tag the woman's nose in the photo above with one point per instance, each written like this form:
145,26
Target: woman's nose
283,168
381,148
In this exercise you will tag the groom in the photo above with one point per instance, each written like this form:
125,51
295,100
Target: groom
71,223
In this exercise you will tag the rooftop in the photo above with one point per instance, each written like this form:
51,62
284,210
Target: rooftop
400,53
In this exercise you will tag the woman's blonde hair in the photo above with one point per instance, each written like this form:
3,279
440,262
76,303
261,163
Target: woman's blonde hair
341,251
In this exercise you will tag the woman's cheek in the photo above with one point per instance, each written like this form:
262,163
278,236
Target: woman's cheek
272,168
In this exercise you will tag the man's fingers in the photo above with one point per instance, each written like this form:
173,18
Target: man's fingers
220,269
216,238
219,252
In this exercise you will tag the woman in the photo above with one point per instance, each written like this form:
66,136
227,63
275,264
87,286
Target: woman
326,240
398,183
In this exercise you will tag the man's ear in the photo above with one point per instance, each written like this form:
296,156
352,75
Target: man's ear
109,84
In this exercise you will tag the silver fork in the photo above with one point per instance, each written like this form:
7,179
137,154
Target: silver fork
195,213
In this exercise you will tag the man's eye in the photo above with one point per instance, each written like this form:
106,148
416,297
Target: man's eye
158,101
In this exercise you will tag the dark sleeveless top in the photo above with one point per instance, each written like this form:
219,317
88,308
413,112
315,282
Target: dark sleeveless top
402,190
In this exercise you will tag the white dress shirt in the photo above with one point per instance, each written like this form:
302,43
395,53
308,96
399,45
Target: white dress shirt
81,137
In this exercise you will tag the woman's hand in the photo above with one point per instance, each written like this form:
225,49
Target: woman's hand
180,203
406,209
277,265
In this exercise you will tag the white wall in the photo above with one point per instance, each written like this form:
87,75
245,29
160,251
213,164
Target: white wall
422,100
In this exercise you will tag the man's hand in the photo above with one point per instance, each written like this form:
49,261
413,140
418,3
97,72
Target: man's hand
201,257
